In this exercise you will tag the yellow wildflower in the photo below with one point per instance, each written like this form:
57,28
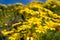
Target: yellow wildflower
15,36
29,38
4,32
34,20
40,29
52,29
11,38
16,24
6,24
53,6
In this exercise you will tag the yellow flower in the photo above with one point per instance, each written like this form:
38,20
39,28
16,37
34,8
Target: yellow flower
14,36
16,24
11,38
52,29
50,24
19,29
34,20
55,15
29,38
40,29
12,31
4,32
21,11
58,3
23,27
53,6
6,24
45,27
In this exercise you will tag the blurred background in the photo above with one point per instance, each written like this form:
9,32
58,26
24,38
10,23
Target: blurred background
17,1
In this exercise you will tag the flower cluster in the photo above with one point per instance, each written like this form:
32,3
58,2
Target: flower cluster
20,22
